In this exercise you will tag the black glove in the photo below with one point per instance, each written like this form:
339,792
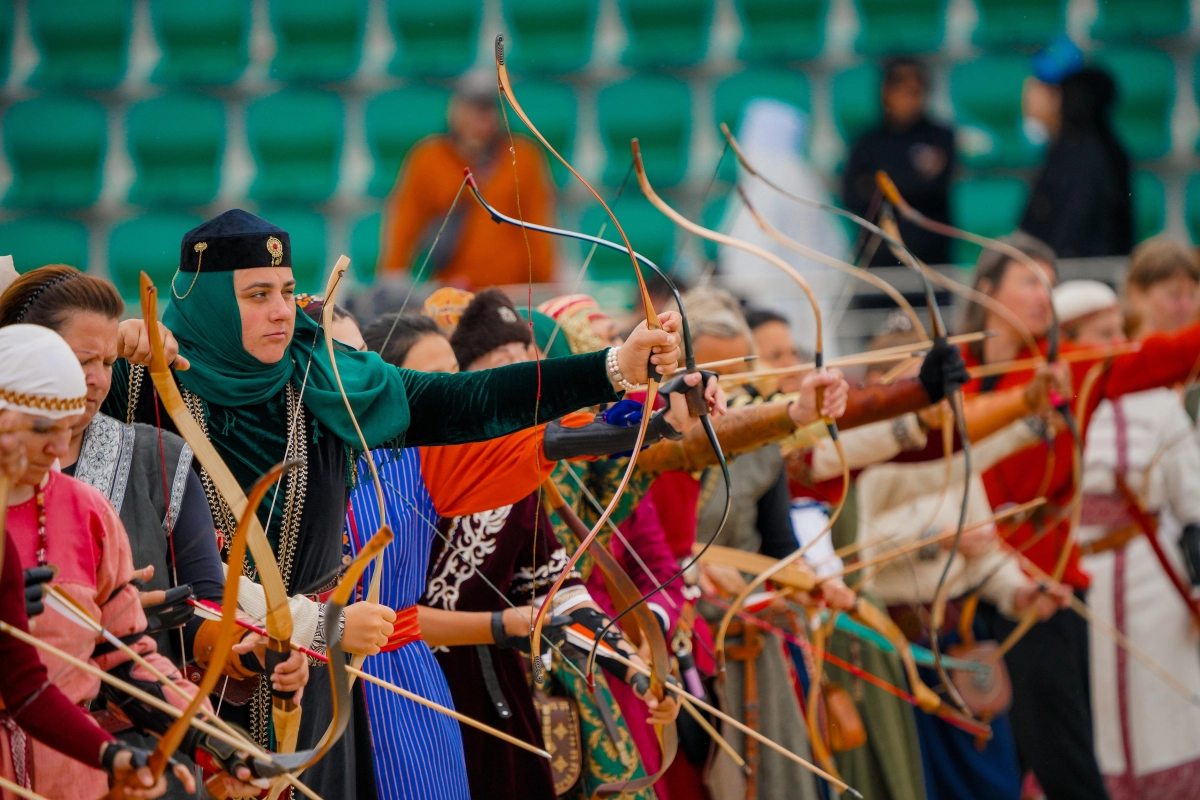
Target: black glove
1189,543
553,631
697,405
35,577
173,612
216,755
138,757
943,370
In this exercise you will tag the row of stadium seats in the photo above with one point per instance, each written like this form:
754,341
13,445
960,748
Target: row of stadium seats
56,143
990,206
85,43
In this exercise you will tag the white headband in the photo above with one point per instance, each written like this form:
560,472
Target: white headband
39,373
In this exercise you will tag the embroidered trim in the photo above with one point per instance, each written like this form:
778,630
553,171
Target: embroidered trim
106,458
43,403
136,375
178,485
530,580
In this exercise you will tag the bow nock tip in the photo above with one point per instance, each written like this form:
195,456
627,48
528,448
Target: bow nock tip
500,49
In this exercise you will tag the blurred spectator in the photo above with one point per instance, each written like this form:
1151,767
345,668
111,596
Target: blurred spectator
776,348
915,151
473,250
772,134
1160,289
1080,203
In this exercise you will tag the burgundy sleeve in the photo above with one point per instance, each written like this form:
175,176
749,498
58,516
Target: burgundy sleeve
37,705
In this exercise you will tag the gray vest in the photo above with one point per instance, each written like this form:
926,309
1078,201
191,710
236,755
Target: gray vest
124,463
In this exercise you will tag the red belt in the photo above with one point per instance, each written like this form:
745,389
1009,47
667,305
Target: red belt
406,629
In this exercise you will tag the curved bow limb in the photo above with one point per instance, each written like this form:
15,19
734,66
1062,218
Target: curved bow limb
169,742
279,613
786,241
790,271
625,596
506,91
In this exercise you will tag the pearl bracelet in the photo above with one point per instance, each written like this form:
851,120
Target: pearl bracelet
614,371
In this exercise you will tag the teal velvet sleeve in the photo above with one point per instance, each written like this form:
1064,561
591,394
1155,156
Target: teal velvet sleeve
474,406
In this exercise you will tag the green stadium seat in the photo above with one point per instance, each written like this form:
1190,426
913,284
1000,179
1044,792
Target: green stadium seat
176,142
317,40
1140,19
900,26
435,39
555,108
781,30
1191,206
551,35
1149,205
666,33
1023,23
6,38
82,43
364,248
202,43
397,120
658,110
42,239
310,258
650,233
296,138
148,243
856,103
55,146
733,93
1145,98
986,94
988,206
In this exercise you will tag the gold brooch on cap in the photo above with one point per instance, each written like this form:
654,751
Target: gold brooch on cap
199,247
275,248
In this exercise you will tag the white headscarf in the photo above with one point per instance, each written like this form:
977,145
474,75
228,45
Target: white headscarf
39,373
1075,300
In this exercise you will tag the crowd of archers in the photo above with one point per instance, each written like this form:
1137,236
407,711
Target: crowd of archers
486,551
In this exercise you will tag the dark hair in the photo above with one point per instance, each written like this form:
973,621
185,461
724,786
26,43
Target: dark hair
757,317
992,266
400,332
315,306
901,68
1160,258
50,295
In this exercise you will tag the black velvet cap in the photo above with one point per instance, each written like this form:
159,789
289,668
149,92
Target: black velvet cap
490,321
235,240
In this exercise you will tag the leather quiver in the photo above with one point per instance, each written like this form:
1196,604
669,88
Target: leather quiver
846,730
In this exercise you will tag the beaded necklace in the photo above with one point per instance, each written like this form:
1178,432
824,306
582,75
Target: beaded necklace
40,499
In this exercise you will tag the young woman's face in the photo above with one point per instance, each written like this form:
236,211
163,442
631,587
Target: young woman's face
1023,293
776,349
1166,306
266,299
431,353
1101,328
93,338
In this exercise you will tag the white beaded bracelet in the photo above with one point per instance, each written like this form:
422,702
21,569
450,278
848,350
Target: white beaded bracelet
614,371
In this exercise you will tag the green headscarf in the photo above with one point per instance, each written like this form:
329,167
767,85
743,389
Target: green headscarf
208,326
543,330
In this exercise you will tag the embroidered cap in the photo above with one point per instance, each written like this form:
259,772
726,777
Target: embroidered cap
41,374
235,240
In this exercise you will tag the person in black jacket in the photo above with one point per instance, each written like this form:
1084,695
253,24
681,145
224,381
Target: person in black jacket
915,151
1080,202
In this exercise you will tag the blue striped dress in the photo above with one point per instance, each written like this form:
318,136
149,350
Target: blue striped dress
418,752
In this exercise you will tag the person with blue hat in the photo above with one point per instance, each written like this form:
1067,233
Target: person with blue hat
1079,203
262,386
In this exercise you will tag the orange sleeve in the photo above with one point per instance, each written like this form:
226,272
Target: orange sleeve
407,213
469,478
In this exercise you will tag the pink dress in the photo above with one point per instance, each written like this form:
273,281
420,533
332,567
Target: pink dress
87,543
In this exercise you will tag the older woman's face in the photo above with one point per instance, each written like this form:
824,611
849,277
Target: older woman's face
93,338
1101,328
777,350
505,354
715,348
44,441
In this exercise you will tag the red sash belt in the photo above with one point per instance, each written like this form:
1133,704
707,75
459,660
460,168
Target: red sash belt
405,631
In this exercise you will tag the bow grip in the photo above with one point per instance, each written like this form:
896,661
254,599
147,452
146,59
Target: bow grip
275,657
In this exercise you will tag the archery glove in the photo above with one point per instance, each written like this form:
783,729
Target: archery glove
553,632
35,591
173,612
595,622
943,370
1189,543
